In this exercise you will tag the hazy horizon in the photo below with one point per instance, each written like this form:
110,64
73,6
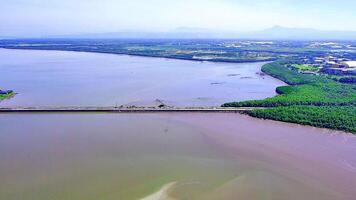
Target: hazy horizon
61,17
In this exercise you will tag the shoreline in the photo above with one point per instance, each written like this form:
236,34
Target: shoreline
147,56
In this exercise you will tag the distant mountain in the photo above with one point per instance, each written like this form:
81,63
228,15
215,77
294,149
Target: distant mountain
283,33
274,33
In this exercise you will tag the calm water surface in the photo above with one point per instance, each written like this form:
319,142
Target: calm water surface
207,156
58,78
132,156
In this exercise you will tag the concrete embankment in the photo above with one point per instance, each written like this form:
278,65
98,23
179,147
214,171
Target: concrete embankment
119,110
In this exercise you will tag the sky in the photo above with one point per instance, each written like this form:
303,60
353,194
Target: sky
58,17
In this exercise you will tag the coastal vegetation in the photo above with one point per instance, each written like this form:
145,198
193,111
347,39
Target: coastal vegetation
313,94
309,100
6,95
333,117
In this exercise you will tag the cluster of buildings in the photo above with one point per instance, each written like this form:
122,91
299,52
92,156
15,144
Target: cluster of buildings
6,91
333,65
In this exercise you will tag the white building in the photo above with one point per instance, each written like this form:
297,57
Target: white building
350,64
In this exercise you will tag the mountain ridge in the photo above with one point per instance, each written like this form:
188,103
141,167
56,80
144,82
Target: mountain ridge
273,33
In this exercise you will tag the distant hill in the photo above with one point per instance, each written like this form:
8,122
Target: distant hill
274,33
283,33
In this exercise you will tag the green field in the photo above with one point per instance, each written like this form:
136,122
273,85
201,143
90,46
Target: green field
305,68
309,100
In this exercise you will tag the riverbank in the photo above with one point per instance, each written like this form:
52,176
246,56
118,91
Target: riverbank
309,100
145,55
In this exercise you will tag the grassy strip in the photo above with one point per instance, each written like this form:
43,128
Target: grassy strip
6,96
309,100
305,67
333,117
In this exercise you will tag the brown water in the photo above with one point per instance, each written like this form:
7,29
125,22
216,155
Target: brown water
209,156
59,78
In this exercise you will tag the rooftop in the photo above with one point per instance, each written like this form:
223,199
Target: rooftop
351,63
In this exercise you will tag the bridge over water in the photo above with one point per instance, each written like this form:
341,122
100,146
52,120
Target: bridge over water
113,109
